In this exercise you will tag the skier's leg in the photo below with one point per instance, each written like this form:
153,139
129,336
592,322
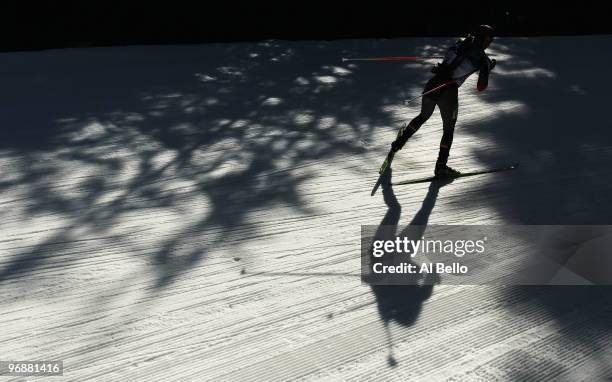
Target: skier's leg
428,106
449,107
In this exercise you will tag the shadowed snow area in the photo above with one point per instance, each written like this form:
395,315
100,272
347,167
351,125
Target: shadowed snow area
180,213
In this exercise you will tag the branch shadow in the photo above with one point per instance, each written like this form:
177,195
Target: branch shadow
555,124
155,155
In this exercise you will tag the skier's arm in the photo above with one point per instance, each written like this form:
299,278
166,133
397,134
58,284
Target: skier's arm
483,76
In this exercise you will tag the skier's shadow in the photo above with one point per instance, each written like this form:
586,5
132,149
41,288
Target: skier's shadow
402,303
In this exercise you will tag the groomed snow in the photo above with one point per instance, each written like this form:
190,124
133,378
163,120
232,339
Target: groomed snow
192,213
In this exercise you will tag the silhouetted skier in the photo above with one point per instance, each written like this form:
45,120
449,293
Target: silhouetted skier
465,57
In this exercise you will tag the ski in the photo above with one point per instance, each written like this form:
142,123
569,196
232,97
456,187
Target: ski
386,163
384,175
462,175
391,154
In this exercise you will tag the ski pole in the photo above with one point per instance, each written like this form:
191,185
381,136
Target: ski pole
393,58
430,91
398,58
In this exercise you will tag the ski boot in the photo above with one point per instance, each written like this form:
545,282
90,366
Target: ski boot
396,146
442,170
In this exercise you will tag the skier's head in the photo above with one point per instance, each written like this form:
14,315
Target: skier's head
484,35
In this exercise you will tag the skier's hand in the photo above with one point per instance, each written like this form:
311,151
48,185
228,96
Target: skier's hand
493,63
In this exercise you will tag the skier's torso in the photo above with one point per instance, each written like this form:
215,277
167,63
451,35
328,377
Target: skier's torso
470,59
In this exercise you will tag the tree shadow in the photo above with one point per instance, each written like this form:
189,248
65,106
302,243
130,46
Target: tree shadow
168,122
583,320
206,140
161,155
555,125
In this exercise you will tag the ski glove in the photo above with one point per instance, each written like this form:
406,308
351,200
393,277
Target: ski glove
483,77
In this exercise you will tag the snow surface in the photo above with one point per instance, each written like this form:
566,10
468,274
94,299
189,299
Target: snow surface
179,213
